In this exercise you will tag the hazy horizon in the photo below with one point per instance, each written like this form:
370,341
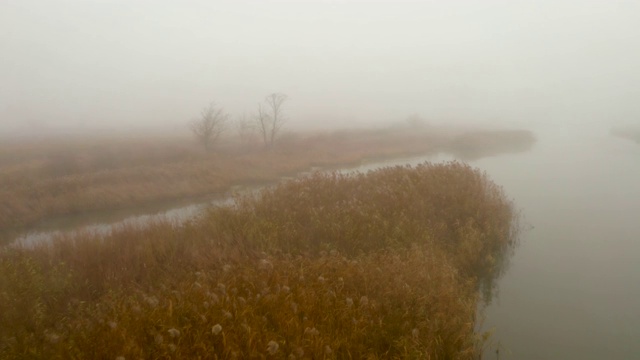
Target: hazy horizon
133,64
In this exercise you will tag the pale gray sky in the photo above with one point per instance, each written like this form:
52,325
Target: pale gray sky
114,63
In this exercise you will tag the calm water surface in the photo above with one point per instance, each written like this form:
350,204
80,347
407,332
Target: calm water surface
573,288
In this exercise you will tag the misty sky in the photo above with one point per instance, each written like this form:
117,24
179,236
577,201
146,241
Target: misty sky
112,63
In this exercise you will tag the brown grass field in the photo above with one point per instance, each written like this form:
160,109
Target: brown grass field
385,265
44,179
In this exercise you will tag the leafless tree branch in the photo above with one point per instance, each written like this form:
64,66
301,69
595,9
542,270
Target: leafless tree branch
270,117
208,127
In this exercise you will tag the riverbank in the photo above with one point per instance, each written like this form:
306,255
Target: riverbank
628,133
59,177
385,264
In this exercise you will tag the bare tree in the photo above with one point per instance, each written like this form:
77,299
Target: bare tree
246,130
416,121
270,117
208,127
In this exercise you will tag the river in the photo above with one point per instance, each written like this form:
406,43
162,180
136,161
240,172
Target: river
573,286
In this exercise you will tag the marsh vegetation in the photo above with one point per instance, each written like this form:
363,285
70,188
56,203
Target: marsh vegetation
55,177
387,264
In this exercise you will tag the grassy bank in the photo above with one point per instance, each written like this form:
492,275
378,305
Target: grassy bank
629,133
56,177
383,265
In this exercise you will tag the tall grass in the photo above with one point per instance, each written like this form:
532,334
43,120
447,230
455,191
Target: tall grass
71,176
386,264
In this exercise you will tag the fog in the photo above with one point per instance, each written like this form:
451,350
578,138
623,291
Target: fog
73,64
566,70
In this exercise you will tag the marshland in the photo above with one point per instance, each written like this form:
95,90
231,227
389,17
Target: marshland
319,180
264,261
328,265
76,176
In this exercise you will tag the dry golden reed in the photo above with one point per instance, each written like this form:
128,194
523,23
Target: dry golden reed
74,176
387,264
